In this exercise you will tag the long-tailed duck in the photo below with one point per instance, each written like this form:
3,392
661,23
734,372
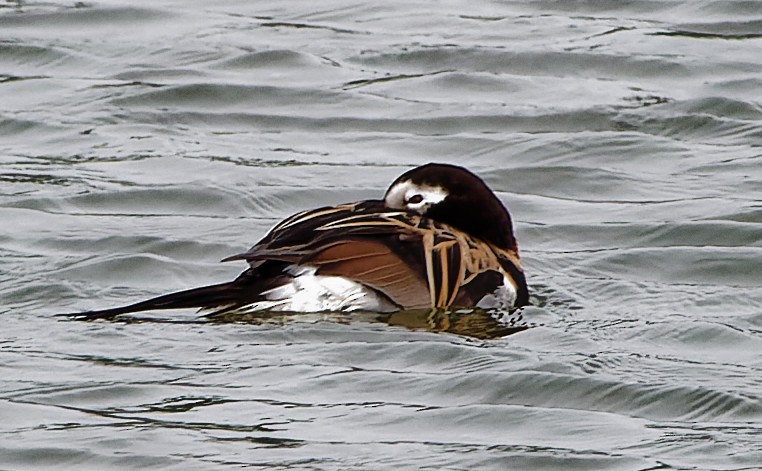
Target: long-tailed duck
440,238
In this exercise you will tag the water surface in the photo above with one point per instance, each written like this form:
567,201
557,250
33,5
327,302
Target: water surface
142,144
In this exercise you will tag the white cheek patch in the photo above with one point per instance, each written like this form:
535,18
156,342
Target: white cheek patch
395,196
399,195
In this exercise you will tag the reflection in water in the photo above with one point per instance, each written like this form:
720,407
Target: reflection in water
476,323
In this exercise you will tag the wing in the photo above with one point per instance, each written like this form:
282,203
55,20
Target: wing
373,263
414,261
364,242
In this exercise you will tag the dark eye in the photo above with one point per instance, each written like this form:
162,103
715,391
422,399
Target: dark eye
415,199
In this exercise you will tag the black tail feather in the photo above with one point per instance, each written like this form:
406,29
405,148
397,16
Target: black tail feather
213,296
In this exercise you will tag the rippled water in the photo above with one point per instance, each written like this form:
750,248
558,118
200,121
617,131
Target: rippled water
142,144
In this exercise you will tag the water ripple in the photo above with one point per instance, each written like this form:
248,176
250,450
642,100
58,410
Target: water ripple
142,144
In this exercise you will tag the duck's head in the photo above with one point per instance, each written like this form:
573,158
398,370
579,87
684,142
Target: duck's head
454,196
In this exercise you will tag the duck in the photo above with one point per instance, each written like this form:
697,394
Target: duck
438,239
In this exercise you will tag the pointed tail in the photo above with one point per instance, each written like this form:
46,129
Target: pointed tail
220,296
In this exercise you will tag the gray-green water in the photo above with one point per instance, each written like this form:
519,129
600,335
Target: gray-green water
141,144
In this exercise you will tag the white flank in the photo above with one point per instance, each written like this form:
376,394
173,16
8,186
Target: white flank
309,292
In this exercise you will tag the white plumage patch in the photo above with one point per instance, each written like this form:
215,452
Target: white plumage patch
413,197
504,296
308,292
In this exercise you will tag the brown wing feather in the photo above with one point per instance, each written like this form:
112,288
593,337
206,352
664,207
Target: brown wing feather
372,263
414,261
